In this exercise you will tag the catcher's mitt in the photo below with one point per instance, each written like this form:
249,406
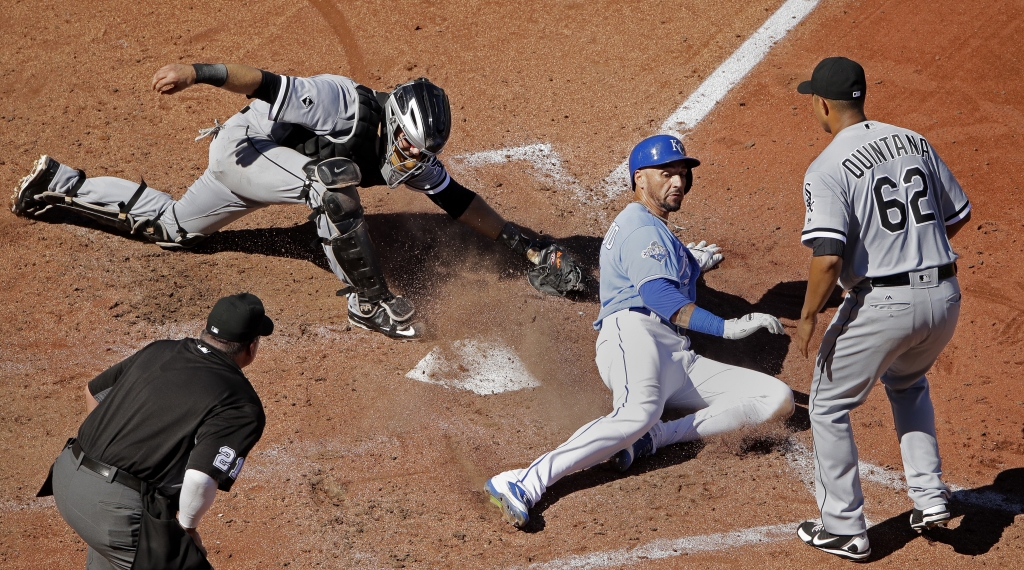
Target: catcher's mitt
556,272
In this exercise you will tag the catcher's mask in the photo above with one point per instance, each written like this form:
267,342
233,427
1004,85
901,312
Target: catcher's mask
419,112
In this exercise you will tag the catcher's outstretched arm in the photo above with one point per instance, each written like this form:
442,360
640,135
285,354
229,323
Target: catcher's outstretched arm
555,271
481,217
236,77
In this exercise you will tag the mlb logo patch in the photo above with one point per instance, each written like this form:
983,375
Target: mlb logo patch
307,101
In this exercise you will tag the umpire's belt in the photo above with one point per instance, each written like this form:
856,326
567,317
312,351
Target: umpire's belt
645,311
104,470
924,277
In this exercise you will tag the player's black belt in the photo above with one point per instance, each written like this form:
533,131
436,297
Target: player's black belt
104,470
645,311
903,279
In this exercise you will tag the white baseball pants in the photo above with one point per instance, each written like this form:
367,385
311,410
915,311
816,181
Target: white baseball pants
648,366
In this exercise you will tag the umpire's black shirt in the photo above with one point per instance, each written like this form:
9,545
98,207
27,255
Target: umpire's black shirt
172,406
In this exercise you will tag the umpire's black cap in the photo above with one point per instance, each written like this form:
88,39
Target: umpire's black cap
239,318
836,78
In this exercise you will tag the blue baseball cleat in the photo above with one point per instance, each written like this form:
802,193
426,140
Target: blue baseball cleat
511,499
641,448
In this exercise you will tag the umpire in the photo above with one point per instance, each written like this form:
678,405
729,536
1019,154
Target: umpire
167,427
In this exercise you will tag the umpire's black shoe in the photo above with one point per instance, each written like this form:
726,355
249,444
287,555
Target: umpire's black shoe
23,202
929,518
855,547
375,317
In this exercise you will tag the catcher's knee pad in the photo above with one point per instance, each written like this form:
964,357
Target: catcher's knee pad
342,208
352,247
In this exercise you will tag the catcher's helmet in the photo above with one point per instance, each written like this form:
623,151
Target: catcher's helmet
420,110
656,151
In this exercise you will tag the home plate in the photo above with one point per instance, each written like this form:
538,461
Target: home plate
477,366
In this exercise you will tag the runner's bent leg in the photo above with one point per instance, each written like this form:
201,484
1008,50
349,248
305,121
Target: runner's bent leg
723,398
630,359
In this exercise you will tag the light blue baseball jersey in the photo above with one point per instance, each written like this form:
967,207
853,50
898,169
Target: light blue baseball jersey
637,248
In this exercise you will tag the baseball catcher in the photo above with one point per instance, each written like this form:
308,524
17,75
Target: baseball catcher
312,140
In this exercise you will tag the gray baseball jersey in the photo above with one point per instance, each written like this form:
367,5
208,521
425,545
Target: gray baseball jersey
248,168
326,105
885,192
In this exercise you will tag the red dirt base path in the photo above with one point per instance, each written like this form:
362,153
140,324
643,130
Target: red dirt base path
361,467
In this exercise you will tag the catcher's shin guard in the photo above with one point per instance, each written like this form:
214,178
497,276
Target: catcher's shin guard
121,218
355,254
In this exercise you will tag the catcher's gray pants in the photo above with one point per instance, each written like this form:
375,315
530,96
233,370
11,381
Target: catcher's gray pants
106,514
895,333
649,367
247,171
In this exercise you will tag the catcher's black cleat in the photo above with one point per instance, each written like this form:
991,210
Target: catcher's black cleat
853,547
398,308
23,202
929,518
375,317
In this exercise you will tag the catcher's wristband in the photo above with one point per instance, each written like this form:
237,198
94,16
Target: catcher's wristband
215,74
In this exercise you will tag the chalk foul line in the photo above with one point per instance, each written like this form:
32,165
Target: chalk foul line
666,548
801,461
686,117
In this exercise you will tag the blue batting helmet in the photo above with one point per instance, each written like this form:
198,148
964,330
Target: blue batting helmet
656,151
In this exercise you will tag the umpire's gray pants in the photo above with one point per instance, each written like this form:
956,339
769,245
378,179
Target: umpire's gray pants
106,514
895,333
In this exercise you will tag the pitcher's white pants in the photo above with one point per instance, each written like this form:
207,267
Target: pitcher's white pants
648,366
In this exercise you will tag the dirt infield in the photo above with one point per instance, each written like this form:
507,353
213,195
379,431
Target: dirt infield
363,467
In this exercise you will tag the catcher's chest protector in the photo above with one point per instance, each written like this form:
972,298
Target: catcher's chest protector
363,146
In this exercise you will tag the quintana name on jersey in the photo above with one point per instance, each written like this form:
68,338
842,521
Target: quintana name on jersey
882,150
